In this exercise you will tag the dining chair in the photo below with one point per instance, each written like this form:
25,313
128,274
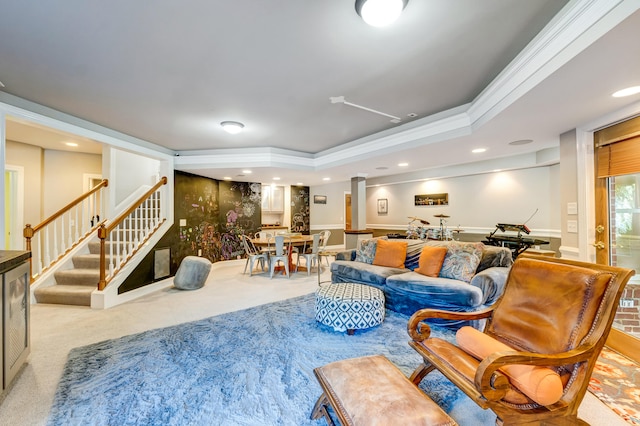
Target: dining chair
310,257
253,254
324,239
282,254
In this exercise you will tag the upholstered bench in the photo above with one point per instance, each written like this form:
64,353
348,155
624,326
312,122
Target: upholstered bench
348,306
371,391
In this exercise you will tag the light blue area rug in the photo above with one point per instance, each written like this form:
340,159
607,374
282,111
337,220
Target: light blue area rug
252,367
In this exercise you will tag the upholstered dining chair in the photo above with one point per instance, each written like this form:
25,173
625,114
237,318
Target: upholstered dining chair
532,361
253,254
310,257
282,254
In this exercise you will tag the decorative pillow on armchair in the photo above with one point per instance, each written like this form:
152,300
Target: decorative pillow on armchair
461,261
366,251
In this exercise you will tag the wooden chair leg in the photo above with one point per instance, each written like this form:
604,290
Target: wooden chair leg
320,410
420,372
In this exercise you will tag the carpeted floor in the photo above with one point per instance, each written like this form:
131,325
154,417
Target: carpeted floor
251,367
616,382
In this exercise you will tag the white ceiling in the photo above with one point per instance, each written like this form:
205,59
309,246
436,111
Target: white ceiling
171,72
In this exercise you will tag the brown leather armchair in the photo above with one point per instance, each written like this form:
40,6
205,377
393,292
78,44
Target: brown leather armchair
555,314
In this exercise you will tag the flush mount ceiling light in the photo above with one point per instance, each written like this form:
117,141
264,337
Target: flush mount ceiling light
626,92
380,13
232,127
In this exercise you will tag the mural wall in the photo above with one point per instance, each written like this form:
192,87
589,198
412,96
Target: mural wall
300,218
210,216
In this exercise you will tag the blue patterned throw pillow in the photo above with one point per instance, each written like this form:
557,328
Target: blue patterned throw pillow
461,261
366,251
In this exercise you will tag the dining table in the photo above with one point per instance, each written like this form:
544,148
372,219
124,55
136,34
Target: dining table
290,240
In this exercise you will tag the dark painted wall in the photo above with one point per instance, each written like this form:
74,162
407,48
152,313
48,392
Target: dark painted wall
210,216
300,219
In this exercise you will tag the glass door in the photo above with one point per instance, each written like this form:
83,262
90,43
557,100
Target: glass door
617,195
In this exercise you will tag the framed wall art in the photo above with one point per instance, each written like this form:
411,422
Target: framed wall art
432,199
319,199
383,206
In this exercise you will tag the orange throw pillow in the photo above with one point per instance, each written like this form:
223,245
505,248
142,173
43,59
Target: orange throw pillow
390,253
543,385
431,260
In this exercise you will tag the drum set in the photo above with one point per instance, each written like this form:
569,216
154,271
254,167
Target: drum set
418,229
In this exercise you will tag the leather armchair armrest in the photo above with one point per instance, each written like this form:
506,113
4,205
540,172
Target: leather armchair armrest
419,331
493,385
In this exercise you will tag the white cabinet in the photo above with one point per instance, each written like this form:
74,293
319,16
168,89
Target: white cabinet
272,198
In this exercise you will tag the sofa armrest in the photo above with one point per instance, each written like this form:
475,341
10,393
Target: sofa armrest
491,281
346,255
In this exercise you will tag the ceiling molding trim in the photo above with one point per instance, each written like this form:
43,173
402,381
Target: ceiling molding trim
567,35
246,158
31,111
433,132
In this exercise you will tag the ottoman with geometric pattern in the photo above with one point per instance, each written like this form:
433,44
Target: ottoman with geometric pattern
348,306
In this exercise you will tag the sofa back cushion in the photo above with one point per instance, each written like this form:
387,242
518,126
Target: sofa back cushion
431,260
461,261
390,253
366,250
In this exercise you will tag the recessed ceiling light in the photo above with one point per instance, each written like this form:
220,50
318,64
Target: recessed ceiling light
246,172
382,168
326,178
403,164
233,127
299,184
521,142
626,92
276,178
227,178
496,170
479,150
1,85
71,144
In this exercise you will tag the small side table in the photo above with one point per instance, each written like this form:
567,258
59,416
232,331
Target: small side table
322,254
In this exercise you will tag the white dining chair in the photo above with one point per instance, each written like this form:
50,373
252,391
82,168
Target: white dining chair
253,254
281,255
324,239
312,256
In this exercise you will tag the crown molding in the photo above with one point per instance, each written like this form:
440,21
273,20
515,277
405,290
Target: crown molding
579,24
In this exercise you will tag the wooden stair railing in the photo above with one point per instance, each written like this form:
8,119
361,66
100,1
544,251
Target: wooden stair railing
129,231
50,240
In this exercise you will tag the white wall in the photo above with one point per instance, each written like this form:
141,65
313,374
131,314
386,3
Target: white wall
63,177
478,201
330,215
131,171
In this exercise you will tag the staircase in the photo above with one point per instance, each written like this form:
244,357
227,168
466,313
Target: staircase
74,264
74,286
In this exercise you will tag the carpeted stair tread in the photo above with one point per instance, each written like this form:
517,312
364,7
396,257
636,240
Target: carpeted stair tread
78,277
65,295
88,261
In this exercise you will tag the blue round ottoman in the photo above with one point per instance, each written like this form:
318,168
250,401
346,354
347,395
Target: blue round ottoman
347,306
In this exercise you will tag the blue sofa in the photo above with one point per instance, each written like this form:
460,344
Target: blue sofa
407,291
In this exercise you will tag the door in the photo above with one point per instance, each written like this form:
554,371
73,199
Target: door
347,211
617,198
14,207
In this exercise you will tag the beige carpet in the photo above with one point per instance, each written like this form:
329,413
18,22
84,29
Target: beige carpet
57,329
